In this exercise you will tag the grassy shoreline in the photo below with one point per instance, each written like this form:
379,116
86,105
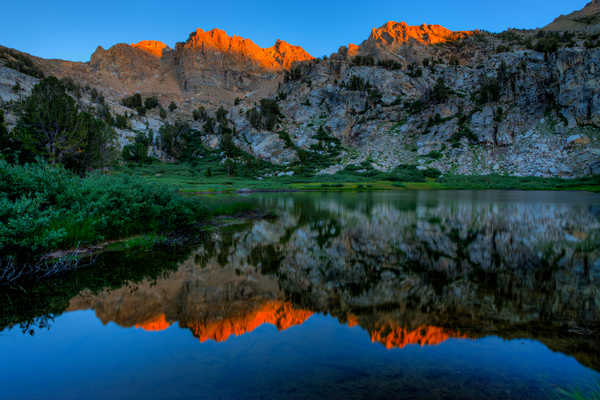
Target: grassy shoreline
47,210
190,180
44,209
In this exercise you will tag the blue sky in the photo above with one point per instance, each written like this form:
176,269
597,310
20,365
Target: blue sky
72,29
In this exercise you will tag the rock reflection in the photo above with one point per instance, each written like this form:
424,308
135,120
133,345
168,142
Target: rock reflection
409,269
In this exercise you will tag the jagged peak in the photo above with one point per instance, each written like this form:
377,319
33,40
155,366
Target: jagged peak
280,55
153,47
400,32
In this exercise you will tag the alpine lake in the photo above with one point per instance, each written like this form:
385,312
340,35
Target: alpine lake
379,295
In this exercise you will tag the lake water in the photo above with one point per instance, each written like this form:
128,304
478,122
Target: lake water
404,295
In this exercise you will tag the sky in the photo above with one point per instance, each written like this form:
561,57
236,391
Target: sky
73,29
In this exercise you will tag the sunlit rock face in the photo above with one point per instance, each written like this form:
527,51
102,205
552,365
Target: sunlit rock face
215,63
151,46
235,49
209,68
391,37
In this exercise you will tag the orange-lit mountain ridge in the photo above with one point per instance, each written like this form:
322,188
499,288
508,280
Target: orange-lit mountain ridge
280,56
151,46
281,314
387,39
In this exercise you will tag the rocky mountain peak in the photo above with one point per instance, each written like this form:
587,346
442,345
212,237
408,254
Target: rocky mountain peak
151,46
280,56
387,40
394,33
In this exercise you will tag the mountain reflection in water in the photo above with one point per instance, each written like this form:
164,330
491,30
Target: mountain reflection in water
407,270
415,268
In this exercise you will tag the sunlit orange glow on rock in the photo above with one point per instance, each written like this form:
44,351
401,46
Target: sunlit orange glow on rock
151,46
281,56
352,320
393,35
281,314
397,337
400,32
156,324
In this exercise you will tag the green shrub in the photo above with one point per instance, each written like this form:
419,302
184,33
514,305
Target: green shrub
356,83
134,102
51,126
267,118
221,116
172,106
138,150
44,208
366,61
200,114
414,71
440,92
489,91
294,74
415,107
121,121
151,103
174,138
389,65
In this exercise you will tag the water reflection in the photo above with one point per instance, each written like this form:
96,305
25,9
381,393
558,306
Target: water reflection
417,268
409,269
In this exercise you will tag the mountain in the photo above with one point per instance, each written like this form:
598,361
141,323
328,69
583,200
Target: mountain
210,67
585,20
519,102
391,39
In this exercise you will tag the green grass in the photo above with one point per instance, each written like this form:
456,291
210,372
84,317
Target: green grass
191,179
500,182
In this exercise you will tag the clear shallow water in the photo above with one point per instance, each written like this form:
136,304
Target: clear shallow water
372,295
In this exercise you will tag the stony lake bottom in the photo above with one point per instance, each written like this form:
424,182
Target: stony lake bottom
391,295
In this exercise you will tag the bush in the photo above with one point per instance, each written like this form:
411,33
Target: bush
138,150
366,61
221,116
440,92
151,103
414,71
294,74
174,138
415,107
44,208
389,65
209,126
172,106
121,121
267,118
134,102
52,127
200,114
489,91
357,83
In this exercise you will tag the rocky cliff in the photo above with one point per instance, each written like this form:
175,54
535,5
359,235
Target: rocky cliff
517,103
585,20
